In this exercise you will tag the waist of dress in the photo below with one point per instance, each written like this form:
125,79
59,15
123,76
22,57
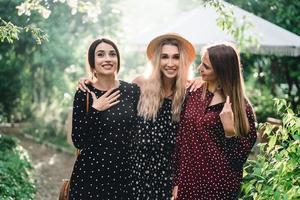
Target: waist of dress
107,145
153,147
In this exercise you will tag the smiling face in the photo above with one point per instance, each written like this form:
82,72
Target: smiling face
106,60
206,70
169,61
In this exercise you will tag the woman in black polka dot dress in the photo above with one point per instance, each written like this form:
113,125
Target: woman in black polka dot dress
159,108
160,104
217,131
101,171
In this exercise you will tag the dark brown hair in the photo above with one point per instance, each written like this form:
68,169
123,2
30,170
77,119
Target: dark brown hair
93,46
225,62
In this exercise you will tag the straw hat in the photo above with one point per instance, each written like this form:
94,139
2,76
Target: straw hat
189,48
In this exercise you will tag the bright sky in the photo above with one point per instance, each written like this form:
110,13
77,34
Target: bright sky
143,15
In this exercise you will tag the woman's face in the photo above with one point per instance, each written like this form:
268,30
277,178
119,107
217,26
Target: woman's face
106,60
206,70
169,61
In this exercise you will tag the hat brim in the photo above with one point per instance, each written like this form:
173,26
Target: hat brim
189,48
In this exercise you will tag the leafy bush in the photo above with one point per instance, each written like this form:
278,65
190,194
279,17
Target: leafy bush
48,122
263,104
275,174
15,177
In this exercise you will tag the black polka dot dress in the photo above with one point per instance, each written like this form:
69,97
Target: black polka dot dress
209,165
102,169
153,145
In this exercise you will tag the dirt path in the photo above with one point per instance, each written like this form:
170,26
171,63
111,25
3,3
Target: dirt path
50,167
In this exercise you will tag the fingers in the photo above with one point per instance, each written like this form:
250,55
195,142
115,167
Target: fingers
227,99
113,103
87,82
193,87
93,96
188,84
82,84
195,84
107,93
113,99
227,106
174,193
227,103
104,102
113,95
109,97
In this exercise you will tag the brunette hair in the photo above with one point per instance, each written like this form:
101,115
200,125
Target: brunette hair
92,48
226,64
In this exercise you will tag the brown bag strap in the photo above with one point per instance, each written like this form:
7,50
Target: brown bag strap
87,102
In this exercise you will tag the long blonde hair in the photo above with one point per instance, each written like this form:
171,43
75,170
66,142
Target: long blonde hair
152,92
225,61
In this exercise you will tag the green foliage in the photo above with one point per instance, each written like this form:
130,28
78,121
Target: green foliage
7,143
277,76
281,12
133,64
282,74
57,65
228,22
262,101
15,177
49,118
14,62
275,174
28,6
9,32
38,81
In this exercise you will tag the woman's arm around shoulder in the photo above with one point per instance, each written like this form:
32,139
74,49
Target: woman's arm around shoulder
140,81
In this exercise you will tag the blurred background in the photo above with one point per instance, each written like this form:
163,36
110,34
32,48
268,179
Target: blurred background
43,46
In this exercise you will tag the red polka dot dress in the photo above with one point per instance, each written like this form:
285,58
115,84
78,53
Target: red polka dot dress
207,164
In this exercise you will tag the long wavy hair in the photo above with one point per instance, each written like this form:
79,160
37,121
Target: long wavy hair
152,92
226,64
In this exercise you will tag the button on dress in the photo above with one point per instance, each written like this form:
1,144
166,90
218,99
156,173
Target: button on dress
102,169
209,165
153,146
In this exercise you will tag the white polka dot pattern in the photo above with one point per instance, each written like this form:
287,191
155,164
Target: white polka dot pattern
207,164
153,145
102,169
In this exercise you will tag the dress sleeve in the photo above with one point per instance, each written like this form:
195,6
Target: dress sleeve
83,122
79,121
239,148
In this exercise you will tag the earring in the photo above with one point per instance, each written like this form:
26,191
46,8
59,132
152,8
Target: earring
94,74
219,86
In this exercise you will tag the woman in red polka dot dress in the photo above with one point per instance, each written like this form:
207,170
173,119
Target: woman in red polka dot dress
217,130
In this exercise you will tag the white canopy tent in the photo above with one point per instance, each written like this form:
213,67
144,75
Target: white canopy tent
200,27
